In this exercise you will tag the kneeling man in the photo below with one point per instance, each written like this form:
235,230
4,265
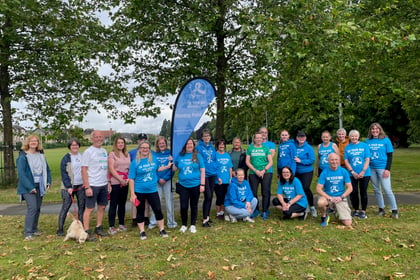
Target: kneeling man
334,186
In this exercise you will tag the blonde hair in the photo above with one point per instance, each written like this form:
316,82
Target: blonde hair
25,146
150,158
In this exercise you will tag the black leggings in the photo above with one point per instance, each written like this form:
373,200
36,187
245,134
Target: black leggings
154,202
362,185
188,196
220,191
306,180
118,197
208,195
265,181
79,192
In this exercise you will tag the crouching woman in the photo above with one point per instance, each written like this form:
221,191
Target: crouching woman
240,202
291,198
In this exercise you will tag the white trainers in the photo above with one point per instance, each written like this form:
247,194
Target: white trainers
183,229
193,229
112,231
227,219
232,218
248,219
313,212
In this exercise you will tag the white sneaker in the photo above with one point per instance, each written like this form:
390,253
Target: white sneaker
193,229
232,218
227,219
313,212
248,219
183,229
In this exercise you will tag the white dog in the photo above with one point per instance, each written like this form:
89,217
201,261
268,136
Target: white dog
76,231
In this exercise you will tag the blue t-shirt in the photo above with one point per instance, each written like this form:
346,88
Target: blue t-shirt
291,190
306,155
225,164
334,181
357,154
163,159
286,155
271,146
133,154
208,153
189,171
378,150
144,174
323,153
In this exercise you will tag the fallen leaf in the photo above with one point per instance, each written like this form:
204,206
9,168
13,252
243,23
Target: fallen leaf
102,257
68,253
386,258
399,274
320,250
233,266
277,253
387,240
100,269
226,268
160,273
211,274
29,261
101,276
286,258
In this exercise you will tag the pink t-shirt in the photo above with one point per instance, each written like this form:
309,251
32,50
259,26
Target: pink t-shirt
121,164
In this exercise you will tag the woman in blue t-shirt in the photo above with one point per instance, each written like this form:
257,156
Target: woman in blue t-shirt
291,198
357,158
191,181
224,175
380,163
324,149
142,180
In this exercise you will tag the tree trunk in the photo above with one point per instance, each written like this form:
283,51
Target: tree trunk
221,71
5,100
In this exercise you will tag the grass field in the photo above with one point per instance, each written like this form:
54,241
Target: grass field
376,248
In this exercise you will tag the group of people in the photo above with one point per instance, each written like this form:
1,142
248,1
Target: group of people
144,176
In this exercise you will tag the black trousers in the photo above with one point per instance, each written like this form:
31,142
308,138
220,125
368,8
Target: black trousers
265,182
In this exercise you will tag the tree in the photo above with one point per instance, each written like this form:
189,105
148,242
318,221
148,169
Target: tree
52,56
165,130
162,44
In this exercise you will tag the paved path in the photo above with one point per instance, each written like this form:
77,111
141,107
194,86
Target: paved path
54,208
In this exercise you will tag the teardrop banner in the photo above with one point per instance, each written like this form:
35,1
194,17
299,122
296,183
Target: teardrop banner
190,105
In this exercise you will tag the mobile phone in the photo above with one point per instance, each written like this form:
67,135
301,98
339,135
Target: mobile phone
136,202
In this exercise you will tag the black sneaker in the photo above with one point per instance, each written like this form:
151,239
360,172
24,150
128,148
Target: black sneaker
143,235
395,214
90,237
100,231
206,224
60,232
381,212
163,233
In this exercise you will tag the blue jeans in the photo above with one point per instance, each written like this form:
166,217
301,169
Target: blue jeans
380,183
33,209
166,190
241,213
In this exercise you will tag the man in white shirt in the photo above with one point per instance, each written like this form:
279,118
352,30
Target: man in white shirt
95,181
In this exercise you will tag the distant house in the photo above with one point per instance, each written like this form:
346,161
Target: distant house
18,134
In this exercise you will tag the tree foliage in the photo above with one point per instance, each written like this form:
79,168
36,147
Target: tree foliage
51,56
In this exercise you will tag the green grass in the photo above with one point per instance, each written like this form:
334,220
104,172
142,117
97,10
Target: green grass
376,248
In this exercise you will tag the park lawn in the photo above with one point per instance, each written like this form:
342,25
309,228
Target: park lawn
405,173
376,248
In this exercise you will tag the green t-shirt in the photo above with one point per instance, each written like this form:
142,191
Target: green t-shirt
258,157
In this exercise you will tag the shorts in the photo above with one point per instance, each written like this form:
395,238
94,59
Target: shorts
100,196
343,210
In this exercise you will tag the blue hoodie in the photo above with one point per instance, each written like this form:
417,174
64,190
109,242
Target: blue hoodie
162,159
307,156
208,152
286,155
238,194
